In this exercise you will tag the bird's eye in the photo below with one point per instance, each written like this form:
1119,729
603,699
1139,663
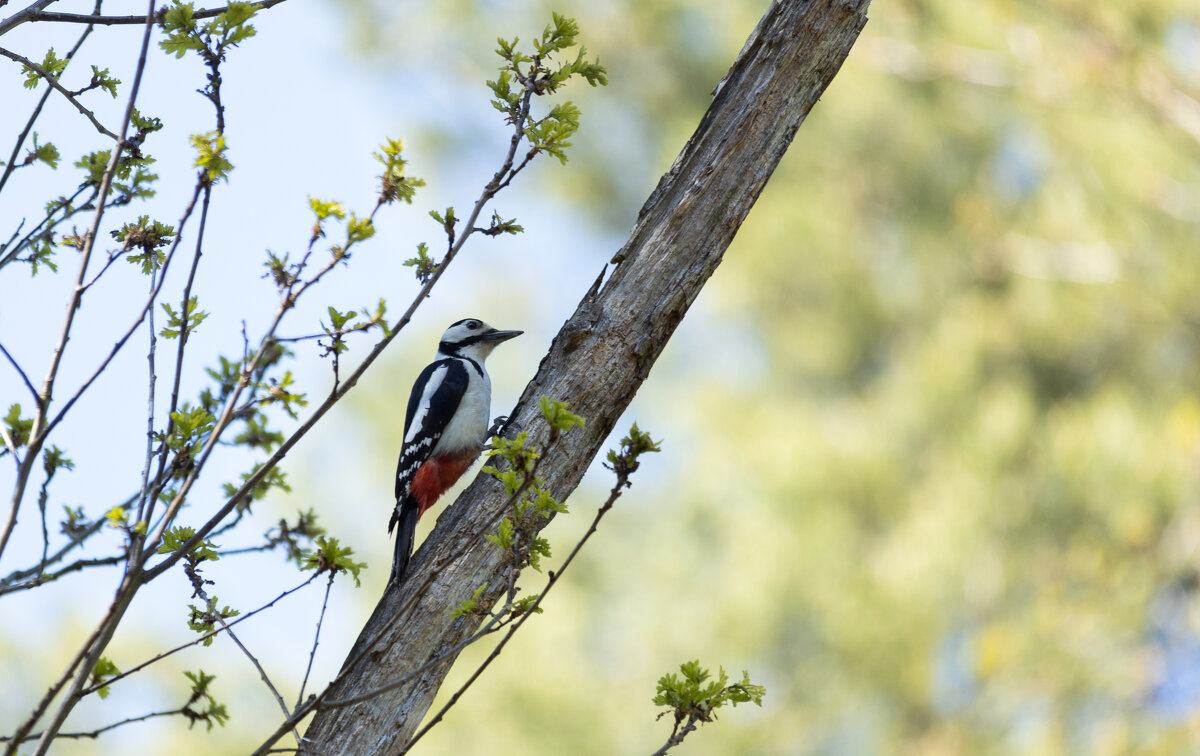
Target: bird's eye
472,324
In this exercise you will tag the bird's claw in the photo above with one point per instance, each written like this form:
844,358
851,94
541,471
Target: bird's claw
499,426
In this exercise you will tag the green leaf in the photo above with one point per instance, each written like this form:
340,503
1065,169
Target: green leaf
182,323
423,263
188,424
18,428
469,606
694,698
102,669
214,711
278,393
325,210
148,235
144,124
394,183
523,605
101,79
339,319
51,64
273,478
53,460
47,153
635,444
117,517
330,556
210,156
557,414
503,536
358,229
231,26
175,538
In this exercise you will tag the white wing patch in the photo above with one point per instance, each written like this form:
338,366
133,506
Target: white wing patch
418,421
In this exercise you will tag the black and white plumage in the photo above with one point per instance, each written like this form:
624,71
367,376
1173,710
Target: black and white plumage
445,426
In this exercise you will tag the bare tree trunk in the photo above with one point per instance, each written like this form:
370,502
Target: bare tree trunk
597,362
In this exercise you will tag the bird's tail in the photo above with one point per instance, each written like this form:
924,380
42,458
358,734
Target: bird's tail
406,514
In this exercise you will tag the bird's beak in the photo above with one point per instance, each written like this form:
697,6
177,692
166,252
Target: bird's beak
497,336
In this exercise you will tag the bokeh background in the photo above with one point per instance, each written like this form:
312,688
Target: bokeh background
929,435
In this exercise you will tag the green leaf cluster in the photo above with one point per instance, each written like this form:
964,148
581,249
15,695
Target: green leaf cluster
51,64
47,153
423,265
41,252
625,461
148,235
257,432
695,697
184,322
340,325
499,226
272,479
54,460
189,426
281,272
175,538
18,428
523,75
357,230
394,183
130,179
103,669
203,620
330,556
184,32
214,711
531,501
73,526
323,210
101,80
471,605
210,156
558,416
290,536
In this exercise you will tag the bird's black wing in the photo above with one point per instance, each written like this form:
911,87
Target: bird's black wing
434,399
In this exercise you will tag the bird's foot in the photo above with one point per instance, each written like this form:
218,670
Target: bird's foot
502,427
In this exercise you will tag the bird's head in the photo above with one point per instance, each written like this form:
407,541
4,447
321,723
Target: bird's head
472,338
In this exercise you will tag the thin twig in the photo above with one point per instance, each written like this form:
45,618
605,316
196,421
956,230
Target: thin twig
93,734
11,445
215,612
52,80
6,583
316,640
133,328
152,381
76,566
80,18
50,223
37,110
677,735
200,639
20,372
23,15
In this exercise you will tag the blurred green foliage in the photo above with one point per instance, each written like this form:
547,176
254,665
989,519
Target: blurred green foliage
946,500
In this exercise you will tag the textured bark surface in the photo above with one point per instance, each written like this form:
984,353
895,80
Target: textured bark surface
597,361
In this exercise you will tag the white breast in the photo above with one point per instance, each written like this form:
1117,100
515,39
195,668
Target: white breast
468,428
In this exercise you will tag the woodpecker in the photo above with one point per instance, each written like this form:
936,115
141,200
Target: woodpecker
445,426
